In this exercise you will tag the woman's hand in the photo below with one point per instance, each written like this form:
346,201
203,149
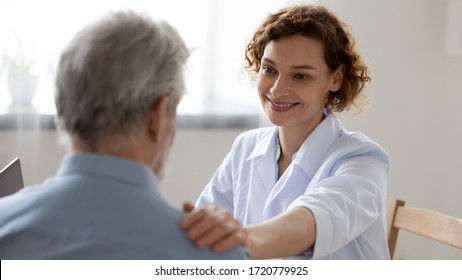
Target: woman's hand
213,226
285,235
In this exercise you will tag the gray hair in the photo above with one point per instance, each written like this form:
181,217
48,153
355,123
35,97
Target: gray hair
114,71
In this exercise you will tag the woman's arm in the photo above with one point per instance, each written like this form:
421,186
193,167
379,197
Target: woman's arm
285,235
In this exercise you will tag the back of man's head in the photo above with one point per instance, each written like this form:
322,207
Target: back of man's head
114,71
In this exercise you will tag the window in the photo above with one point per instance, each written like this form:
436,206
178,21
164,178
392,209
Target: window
35,32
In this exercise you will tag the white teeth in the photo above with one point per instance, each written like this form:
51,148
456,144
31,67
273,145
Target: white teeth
282,105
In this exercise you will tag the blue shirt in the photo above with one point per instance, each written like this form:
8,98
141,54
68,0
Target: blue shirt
96,207
340,176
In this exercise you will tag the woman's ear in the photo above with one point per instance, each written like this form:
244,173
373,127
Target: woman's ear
158,119
337,76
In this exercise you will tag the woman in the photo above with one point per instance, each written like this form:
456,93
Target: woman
306,188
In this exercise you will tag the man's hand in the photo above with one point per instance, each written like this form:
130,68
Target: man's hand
213,226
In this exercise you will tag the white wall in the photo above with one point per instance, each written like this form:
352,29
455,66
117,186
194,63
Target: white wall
415,104
414,115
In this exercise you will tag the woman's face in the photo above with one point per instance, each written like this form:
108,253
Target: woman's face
294,81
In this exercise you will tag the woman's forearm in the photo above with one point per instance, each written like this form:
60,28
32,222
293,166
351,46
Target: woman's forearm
283,236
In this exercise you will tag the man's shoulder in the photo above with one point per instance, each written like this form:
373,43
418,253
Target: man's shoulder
238,253
178,246
18,199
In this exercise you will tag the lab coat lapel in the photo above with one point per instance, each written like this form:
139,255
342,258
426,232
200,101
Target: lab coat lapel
264,168
265,172
261,183
262,177
291,185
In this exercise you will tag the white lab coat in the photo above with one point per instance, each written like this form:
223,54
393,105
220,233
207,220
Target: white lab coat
340,176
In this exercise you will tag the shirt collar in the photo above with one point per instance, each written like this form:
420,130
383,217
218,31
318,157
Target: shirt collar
119,169
313,151
266,144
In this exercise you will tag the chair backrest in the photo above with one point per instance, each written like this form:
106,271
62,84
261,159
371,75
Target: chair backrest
423,222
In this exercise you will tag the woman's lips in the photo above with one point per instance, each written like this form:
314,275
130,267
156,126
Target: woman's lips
281,106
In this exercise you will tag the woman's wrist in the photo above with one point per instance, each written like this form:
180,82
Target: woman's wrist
250,243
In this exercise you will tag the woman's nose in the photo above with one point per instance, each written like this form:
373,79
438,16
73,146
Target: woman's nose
279,88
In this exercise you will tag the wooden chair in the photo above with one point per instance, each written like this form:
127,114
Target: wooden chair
423,222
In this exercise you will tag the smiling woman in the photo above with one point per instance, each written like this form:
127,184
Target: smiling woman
305,188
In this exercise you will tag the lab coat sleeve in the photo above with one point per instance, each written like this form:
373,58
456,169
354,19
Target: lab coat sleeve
219,190
348,198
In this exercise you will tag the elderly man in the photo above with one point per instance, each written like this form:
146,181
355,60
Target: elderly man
118,85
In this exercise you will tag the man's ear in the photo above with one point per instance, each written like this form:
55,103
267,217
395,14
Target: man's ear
158,119
338,78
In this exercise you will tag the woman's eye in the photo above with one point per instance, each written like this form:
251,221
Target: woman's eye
267,70
301,76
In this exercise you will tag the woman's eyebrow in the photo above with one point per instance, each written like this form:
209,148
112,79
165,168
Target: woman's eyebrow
304,66
268,60
308,67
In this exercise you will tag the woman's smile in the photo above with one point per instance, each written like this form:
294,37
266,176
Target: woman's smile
279,106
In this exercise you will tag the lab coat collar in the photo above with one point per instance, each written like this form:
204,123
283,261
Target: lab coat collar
313,151
266,144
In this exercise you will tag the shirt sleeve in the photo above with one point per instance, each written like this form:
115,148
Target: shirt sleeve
349,200
219,190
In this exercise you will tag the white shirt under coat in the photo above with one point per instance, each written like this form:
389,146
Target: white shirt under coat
340,176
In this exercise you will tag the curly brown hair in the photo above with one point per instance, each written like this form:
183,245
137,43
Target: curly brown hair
318,23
